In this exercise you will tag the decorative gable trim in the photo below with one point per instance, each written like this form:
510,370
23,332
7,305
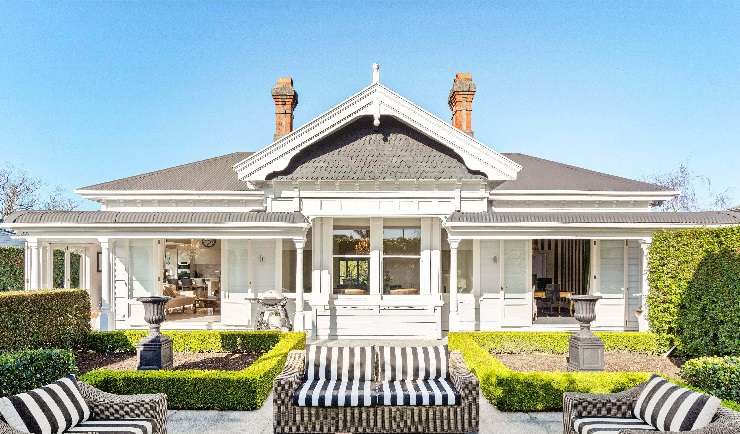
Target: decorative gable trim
376,100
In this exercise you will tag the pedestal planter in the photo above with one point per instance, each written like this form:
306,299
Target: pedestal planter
273,314
586,351
155,350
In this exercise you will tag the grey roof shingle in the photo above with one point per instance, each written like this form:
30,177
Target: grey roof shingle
541,174
136,217
359,151
690,218
212,174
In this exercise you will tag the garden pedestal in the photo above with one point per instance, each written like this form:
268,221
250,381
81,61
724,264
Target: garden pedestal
586,351
155,350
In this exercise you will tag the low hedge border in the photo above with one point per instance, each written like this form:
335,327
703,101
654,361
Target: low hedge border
58,318
25,370
208,390
719,376
187,341
512,342
510,390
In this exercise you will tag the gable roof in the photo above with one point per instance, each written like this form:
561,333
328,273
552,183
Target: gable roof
541,174
379,102
647,217
212,174
361,151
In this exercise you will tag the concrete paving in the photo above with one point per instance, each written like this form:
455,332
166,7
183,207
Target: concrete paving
260,421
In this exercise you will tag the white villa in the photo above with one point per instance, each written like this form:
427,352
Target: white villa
375,219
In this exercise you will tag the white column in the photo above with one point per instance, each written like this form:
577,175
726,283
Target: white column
26,266
48,267
35,267
298,322
67,270
376,249
642,320
106,312
453,284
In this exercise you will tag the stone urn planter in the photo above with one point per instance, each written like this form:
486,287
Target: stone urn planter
155,350
586,351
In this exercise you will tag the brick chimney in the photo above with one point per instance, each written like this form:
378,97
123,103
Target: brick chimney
461,102
286,99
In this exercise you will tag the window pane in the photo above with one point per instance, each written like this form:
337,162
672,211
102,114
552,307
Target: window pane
402,241
351,240
351,276
401,276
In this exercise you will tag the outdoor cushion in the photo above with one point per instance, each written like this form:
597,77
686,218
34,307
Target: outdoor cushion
339,363
125,426
333,393
54,408
413,363
417,392
668,407
608,425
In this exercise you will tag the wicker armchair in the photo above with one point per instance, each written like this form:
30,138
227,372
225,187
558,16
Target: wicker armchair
107,406
290,418
578,405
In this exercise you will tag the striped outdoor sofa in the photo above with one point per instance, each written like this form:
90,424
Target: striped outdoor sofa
375,390
654,406
72,406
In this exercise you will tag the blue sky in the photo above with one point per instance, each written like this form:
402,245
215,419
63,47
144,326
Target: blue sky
93,91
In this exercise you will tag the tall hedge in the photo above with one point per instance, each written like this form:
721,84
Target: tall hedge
694,299
74,269
11,269
44,319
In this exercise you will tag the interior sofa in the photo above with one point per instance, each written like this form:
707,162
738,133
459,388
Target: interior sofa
653,406
81,408
380,389
179,299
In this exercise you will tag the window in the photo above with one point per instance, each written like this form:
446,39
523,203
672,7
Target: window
401,260
351,247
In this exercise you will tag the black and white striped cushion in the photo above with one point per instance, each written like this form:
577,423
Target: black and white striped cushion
417,392
334,393
125,426
339,363
669,407
608,425
413,363
50,409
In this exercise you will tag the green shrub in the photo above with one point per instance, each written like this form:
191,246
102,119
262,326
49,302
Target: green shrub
719,376
190,341
510,390
44,319
507,342
26,370
695,276
11,269
209,390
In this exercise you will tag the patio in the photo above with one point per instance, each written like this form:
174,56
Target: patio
492,421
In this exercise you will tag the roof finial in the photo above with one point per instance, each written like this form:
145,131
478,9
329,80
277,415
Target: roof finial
376,73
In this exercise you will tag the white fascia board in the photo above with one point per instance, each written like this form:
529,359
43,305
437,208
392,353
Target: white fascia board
27,226
582,195
168,194
376,100
485,226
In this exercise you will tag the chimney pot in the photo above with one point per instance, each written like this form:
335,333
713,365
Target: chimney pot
286,100
461,102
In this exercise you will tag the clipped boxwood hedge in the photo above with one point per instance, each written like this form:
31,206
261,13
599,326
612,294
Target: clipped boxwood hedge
25,370
512,342
511,390
58,318
719,376
208,390
187,341
695,276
